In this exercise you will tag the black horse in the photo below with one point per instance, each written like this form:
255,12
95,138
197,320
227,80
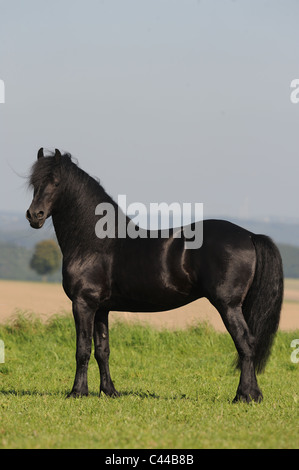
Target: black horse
239,272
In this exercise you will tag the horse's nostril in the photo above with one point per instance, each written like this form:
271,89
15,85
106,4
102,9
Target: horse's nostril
40,215
28,215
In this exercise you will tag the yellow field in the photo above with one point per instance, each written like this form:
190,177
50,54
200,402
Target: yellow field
46,300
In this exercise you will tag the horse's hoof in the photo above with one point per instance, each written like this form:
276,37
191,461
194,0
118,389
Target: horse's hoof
77,395
112,393
248,397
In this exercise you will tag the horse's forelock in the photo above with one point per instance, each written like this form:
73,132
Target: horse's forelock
42,170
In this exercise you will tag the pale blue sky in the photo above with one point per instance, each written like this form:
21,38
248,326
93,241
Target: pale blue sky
163,100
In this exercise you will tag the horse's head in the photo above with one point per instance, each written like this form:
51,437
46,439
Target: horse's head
45,180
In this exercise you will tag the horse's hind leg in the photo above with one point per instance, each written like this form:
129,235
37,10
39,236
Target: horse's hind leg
236,325
102,352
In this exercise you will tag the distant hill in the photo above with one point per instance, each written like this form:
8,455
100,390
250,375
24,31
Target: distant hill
290,259
15,229
280,232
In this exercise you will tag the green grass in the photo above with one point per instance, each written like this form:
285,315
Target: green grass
177,389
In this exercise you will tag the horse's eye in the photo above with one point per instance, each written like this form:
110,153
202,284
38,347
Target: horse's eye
56,183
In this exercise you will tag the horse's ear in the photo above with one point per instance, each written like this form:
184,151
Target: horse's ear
57,154
40,153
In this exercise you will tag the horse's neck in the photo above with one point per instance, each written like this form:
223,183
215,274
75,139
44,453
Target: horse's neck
74,220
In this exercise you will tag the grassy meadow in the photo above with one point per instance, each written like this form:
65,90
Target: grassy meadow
176,386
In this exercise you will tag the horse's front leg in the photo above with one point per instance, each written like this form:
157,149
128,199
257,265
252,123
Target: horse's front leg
102,352
84,321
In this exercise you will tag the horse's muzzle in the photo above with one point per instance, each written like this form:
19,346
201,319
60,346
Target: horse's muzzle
36,219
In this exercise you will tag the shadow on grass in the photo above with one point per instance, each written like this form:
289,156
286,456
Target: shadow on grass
64,394
153,395
32,393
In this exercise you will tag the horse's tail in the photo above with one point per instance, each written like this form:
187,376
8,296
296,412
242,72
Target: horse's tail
263,302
